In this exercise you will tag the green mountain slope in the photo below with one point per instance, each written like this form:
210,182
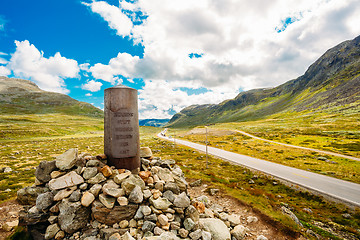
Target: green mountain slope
18,96
332,82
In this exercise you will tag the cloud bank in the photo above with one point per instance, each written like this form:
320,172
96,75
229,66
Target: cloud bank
239,44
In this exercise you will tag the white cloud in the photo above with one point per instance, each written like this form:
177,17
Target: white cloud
160,96
92,86
124,64
4,71
116,19
48,73
88,94
3,61
238,39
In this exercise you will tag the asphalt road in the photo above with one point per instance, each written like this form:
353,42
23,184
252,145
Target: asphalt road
345,191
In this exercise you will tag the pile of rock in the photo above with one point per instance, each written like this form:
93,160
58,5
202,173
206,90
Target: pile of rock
80,197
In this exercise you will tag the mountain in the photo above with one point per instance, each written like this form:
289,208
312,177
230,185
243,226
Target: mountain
18,96
331,82
153,122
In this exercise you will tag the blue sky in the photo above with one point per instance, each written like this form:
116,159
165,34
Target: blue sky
176,53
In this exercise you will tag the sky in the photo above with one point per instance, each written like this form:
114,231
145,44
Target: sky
175,53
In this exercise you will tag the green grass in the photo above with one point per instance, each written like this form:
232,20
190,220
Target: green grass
57,133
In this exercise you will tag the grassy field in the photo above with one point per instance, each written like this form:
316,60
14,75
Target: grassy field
336,133
26,140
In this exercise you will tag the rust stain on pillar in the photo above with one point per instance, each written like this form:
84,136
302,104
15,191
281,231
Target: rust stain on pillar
121,127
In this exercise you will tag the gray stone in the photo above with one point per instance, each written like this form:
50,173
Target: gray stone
168,236
108,201
160,203
261,237
224,216
234,219
206,235
129,183
181,183
136,195
44,201
213,191
115,236
95,189
158,231
148,226
239,232
115,215
94,163
83,186
288,212
119,178
216,227
112,189
43,171
189,224
192,213
145,152
51,231
75,196
196,183
182,200
64,193
67,160
97,179
147,193
172,186
216,208
195,235
164,174
151,217
7,170
73,216
127,236
28,195
204,199
68,180
146,210
89,172
169,195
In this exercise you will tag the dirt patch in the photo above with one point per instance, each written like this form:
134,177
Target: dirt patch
264,226
9,211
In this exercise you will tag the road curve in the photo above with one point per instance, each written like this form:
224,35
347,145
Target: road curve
294,146
344,191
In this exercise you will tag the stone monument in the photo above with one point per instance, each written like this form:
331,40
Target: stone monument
121,127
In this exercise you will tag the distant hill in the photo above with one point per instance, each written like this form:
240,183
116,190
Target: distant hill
331,82
153,122
18,96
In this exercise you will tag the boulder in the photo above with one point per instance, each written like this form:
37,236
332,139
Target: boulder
67,160
129,183
68,180
216,227
182,200
28,195
114,215
44,201
145,152
43,171
73,216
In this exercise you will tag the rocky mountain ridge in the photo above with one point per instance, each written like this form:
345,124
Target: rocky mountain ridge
332,81
18,96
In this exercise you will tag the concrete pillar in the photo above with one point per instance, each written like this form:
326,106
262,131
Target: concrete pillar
121,127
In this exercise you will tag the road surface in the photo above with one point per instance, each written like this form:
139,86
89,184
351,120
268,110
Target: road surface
294,146
344,191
